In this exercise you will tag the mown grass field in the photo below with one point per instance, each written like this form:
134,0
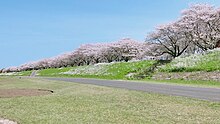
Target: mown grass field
79,103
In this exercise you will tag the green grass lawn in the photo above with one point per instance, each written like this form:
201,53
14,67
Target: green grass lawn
80,103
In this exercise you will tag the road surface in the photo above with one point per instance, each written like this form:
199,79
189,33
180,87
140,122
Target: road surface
211,94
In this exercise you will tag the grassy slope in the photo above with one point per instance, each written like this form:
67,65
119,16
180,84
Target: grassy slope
206,62
105,71
117,71
24,73
114,71
81,103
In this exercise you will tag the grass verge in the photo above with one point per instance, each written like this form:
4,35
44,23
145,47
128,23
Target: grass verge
200,83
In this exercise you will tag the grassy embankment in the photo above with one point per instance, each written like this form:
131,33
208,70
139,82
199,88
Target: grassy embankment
119,70
80,103
198,69
198,62
208,62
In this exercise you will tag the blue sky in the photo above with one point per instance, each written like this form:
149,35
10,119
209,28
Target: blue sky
36,29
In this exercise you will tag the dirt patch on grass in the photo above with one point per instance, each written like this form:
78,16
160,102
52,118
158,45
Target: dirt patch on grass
7,93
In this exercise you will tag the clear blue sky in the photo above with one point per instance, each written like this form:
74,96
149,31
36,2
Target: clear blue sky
36,29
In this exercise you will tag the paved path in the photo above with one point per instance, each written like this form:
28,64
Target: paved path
33,74
211,94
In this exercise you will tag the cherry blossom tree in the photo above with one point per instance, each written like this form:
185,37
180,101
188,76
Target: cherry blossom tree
196,30
202,21
122,50
170,38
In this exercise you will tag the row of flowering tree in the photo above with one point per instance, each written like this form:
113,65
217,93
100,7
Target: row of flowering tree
198,29
122,50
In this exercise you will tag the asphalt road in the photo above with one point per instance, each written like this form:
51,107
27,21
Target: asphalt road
211,94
